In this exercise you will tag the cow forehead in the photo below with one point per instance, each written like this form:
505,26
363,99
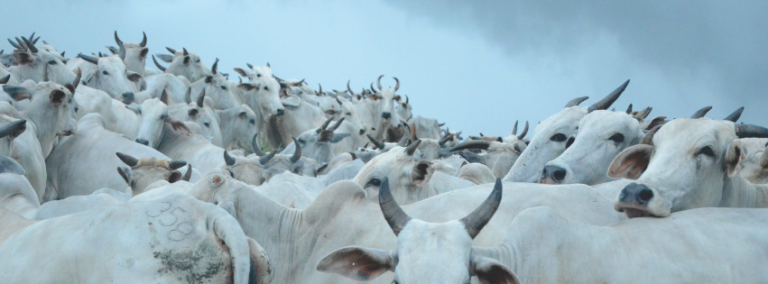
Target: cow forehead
433,248
608,120
688,133
568,117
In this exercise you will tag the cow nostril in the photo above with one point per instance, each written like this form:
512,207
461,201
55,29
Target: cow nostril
645,195
281,111
386,115
559,174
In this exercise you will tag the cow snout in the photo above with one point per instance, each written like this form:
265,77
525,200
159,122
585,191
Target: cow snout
386,115
552,175
636,194
128,98
142,141
280,111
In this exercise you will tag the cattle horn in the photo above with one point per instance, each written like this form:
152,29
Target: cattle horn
268,65
249,65
412,148
473,144
255,146
5,79
525,131
373,90
15,45
320,90
606,102
325,124
514,129
78,76
701,113
173,164
119,42
350,89
336,97
188,175
751,131
576,101
215,65
21,43
14,128
297,152
475,221
143,42
45,72
337,124
158,64
188,95
395,216
629,109
648,138
128,160
29,45
228,159
201,99
406,99
265,159
171,50
734,117
185,52
91,59
445,138
375,142
378,82
397,86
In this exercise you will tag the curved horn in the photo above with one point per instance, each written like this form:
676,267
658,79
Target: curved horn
701,113
337,124
412,148
406,99
89,58
188,175
228,159
45,72
185,52
255,146
320,89
188,96
143,42
128,160
249,65
350,89
29,45
13,128
215,65
173,164
751,131
472,144
297,152
158,64
5,79
734,117
606,102
475,221
265,159
201,99
395,216
629,109
514,129
444,139
648,138
120,46
576,101
375,142
78,75
325,124
378,82
525,131
398,83
372,89
15,45
21,43
336,97
171,50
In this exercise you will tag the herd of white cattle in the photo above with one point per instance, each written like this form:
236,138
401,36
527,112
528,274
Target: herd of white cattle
111,172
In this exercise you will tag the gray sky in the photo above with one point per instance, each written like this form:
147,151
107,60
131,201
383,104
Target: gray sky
477,65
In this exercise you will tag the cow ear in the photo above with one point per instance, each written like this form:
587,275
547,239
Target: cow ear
734,158
134,77
126,173
422,172
241,72
659,120
192,112
490,271
338,137
242,114
357,263
174,176
632,162
57,97
246,87
186,60
262,271
208,79
143,53
17,93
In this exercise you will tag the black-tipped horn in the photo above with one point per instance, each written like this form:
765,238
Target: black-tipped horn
337,124
375,142
473,144
215,65
378,82
475,221
525,131
120,46
188,96
228,159
128,160
158,64
15,45
171,50
255,146
143,42
201,99
89,58
265,159
297,152
734,117
14,128
412,148
576,101
320,90
185,52
188,175
351,93
395,216
648,138
173,164
398,83
629,109
325,124
514,129
249,65
751,131
406,99
29,45
702,112
606,102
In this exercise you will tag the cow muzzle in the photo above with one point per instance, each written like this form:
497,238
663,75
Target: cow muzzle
552,175
634,199
386,115
280,112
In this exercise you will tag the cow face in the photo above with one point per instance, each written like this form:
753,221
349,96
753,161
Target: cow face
113,77
187,64
684,167
426,252
238,127
262,92
134,55
403,108
245,169
154,114
204,116
398,165
32,65
602,136
756,164
140,173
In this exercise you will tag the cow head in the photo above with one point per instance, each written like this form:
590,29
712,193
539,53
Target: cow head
602,136
216,87
201,112
134,55
111,76
261,93
756,164
386,105
154,115
183,63
426,252
238,127
141,172
34,64
316,144
683,164
398,165
553,135
500,155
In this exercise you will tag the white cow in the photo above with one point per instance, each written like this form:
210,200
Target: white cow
553,135
110,75
685,164
217,88
756,164
183,63
133,55
34,64
23,147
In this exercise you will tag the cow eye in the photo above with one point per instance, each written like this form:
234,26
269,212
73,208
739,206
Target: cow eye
707,151
105,72
207,124
258,75
223,88
374,182
266,89
618,138
558,137
198,61
163,117
52,62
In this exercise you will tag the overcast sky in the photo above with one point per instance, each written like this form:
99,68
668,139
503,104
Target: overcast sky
477,65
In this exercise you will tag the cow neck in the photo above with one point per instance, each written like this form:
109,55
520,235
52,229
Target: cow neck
11,223
738,192
36,115
171,141
226,116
